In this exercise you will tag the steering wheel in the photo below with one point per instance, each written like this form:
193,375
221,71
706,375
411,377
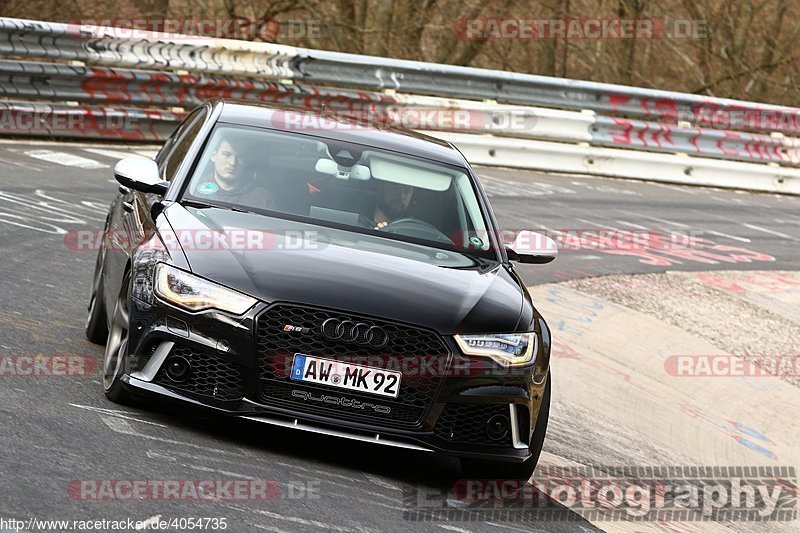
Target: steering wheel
414,227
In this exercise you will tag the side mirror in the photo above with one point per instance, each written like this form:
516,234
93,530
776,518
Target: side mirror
532,247
141,175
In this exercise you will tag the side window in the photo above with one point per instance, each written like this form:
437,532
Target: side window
171,155
164,152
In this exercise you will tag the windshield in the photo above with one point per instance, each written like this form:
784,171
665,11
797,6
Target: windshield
342,185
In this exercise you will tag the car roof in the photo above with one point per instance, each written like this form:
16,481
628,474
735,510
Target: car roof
336,126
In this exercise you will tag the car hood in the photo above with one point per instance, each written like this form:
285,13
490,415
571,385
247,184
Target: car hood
449,300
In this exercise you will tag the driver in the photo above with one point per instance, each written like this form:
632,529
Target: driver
228,181
393,202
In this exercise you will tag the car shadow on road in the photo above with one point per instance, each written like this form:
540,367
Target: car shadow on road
427,487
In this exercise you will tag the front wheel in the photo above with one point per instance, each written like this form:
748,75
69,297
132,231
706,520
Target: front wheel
117,347
521,471
96,326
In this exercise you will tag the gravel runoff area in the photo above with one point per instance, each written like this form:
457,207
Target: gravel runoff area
617,400
749,314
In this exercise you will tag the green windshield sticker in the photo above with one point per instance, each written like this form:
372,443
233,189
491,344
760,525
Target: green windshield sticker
476,241
207,187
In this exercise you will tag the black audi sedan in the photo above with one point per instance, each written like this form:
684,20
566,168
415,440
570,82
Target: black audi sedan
326,274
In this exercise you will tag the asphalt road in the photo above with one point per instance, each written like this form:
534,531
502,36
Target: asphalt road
59,431
648,227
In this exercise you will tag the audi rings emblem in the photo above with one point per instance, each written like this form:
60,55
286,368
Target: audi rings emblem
354,332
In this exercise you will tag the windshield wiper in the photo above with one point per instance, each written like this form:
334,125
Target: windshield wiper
482,262
205,205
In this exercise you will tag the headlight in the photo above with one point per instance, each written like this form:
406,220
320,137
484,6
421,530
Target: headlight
195,294
505,348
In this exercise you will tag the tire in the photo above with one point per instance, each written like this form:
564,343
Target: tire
97,321
520,471
117,347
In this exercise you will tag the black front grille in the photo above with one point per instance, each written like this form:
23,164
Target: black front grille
209,375
466,422
419,354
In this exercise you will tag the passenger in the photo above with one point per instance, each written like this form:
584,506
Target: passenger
230,180
393,203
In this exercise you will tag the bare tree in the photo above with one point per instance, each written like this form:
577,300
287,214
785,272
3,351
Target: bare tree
747,48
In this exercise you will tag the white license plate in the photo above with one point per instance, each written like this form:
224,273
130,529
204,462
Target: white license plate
346,376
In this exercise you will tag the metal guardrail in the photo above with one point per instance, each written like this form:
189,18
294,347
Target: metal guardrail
82,69
103,123
538,155
659,137
55,81
102,46
38,81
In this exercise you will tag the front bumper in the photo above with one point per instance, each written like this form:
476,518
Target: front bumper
454,420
